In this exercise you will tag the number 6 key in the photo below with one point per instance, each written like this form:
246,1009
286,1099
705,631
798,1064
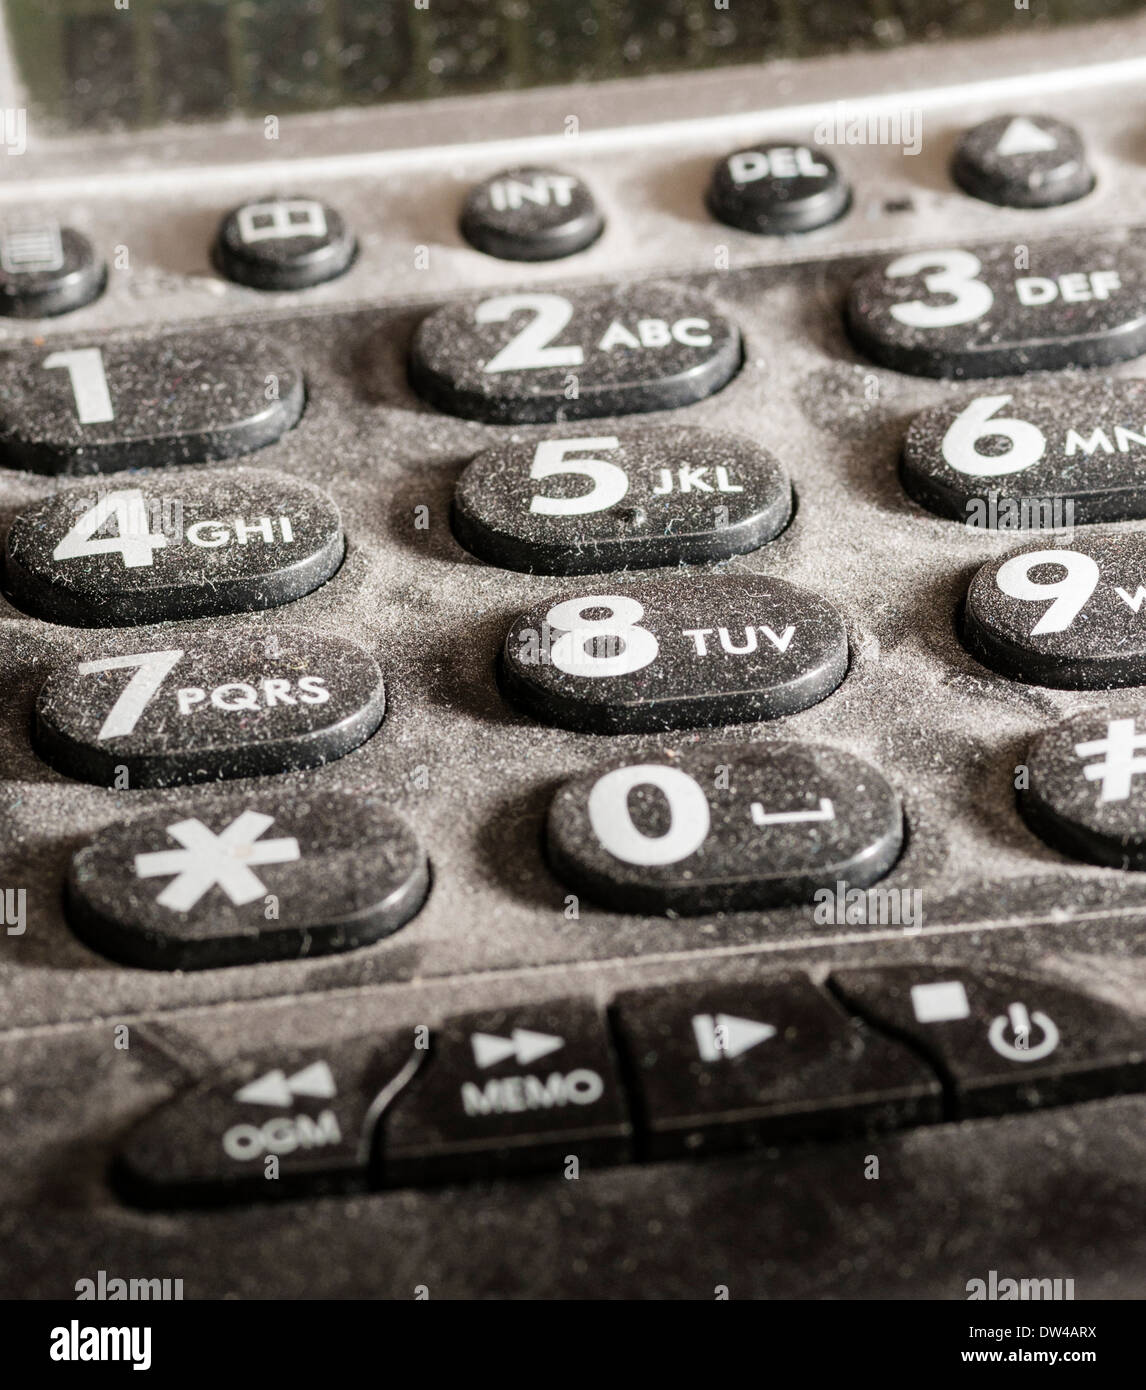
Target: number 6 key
1071,616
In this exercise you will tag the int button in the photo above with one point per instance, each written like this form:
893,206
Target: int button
531,214
1023,162
777,189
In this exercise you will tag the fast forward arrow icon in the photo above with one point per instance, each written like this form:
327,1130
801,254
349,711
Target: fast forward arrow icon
522,1045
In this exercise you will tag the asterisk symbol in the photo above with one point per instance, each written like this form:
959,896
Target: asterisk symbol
207,859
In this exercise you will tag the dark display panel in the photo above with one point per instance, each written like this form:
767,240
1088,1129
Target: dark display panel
91,65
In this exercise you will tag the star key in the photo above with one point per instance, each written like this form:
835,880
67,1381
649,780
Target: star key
207,860
249,879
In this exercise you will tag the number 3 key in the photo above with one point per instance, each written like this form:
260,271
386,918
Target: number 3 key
1001,310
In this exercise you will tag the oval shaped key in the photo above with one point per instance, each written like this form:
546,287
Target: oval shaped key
1068,616
1085,793
672,655
956,312
196,545
637,498
543,356
189,398
1032,459
724,828
199,706
261,875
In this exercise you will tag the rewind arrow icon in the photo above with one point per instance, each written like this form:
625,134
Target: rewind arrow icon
276,1088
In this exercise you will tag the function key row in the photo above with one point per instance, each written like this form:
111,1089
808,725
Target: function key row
531,213
679,1070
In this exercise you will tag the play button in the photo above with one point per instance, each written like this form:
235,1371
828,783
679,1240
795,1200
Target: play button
1022,162
722,1063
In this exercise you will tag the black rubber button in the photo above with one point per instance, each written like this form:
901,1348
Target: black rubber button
200,706
283,1122
1084,793
46,269
531,214
1023,162
728,1066
638,498
724,827
1069,616
532,1088
777,189
670,655
971,313
231,541
188,398
1003,1041
284,244
540,356
253,876
1037,458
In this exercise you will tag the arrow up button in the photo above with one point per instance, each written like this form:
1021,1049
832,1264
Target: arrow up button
1023,162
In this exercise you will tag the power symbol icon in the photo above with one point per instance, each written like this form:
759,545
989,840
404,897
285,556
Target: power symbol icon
1021,1046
